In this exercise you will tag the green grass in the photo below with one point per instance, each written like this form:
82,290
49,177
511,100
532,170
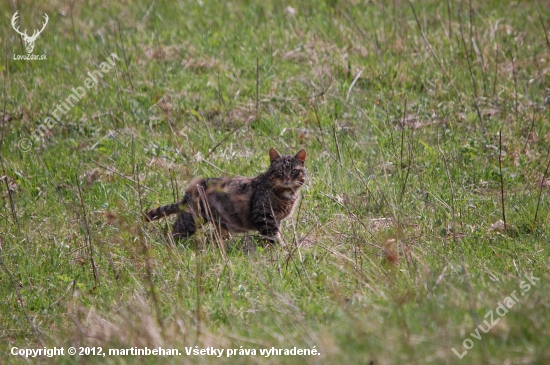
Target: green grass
391,257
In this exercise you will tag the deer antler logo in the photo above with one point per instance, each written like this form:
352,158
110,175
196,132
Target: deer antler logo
29,41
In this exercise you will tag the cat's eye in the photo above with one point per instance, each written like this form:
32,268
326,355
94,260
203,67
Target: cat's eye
294,172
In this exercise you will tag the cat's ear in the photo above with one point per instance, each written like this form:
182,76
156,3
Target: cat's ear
273,155
301,155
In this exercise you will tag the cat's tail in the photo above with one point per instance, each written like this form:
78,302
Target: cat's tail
179,207
166,210
163,211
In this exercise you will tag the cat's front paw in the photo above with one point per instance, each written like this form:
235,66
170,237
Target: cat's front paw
271,238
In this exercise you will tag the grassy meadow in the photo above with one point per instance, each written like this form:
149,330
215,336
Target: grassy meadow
426,125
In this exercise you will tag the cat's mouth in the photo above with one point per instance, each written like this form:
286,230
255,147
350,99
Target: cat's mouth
284,185
289,183
292,185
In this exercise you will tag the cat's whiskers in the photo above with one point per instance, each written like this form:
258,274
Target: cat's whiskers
277,185
287,195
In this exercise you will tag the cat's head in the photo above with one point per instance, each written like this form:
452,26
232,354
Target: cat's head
287,172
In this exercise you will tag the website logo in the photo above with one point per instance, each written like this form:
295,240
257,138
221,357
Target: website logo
28,40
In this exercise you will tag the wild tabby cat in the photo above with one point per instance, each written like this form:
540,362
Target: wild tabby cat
241,204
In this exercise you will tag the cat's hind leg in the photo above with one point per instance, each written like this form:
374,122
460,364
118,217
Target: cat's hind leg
184,227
